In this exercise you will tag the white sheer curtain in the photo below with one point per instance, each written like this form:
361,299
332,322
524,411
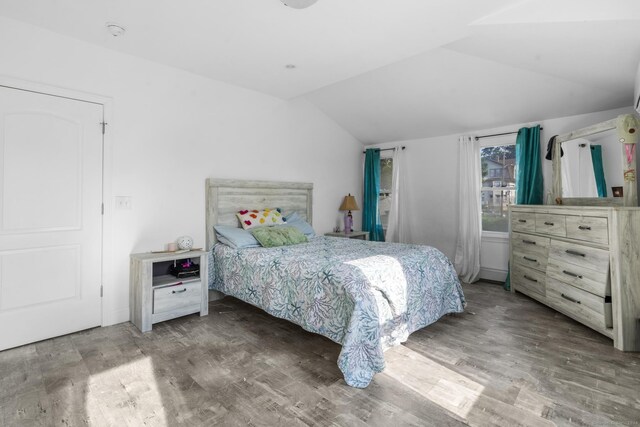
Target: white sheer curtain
398,226
467,259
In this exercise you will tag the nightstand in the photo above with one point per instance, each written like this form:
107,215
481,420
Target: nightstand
156,296
363,235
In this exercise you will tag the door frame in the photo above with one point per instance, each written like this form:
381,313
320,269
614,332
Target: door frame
108,316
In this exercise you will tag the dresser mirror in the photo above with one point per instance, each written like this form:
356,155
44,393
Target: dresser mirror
589,166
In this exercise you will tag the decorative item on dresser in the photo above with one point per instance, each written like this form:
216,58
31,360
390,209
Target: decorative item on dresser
155,295
364,235
583,262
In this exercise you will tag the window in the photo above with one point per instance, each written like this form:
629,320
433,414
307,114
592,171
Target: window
384,204
498,185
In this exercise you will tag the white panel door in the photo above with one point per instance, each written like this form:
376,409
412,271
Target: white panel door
50,216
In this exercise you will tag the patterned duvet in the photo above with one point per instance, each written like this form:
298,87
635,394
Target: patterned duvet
366,296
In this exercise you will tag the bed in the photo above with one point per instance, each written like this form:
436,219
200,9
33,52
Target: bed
366,296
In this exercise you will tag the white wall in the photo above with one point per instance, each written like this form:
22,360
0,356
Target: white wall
432,171
170,130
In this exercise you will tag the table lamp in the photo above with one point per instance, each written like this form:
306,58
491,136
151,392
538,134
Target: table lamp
348,204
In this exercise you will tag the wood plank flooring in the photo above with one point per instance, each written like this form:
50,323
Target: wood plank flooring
506,361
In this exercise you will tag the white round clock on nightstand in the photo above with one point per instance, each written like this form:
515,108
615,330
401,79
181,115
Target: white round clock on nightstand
185,243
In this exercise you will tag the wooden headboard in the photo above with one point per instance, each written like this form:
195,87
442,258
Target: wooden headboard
225,197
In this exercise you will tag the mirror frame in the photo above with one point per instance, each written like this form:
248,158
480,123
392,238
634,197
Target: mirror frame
630,192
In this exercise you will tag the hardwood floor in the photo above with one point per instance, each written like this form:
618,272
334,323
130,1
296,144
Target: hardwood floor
506,361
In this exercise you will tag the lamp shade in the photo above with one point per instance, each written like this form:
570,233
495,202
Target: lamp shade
349,204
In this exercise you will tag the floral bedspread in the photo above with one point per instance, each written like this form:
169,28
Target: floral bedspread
366,296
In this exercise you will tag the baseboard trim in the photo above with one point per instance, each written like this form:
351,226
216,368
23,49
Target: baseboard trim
116,316
493,274
215,295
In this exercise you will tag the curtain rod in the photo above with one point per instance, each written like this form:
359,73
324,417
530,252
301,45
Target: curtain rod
497,134
384,149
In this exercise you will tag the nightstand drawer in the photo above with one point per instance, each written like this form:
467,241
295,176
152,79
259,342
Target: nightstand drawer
178,296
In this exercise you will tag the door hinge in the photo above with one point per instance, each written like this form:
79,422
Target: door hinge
101,290
104,127
102,209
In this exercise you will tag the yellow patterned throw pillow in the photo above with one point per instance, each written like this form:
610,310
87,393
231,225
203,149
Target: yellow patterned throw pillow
255,218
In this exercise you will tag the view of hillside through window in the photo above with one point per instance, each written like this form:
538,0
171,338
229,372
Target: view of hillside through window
498,185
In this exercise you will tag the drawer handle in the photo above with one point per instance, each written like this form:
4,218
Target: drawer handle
530,278
522,220
179,292
570,299
576,253
529,242
568,273
584,227
548,223
530,259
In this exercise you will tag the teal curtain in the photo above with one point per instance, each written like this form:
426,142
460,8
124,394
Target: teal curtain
529,185
598,170
370,213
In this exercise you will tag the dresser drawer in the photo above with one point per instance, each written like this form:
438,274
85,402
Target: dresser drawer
551,224
593,281
523,221
178,296
590,229
583,306
530,251
528,281
579,255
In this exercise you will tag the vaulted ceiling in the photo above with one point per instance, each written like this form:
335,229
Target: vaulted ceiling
384,70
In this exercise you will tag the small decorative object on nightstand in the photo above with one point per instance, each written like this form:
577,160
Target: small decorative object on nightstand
155,295
349,204
363,235
185,243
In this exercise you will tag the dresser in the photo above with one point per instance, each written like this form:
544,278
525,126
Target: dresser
583,262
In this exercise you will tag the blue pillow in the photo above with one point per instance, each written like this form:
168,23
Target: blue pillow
296,221
235,237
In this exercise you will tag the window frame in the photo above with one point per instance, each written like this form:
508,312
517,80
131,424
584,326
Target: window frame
388,154
497,235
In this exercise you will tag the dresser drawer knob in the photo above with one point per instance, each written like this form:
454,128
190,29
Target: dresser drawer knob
180,291
530,259
568,273
530,278
576,253
548,223
569,298
584,227
529,242
522,220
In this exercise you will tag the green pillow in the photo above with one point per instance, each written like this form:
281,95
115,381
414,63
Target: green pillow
278,236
